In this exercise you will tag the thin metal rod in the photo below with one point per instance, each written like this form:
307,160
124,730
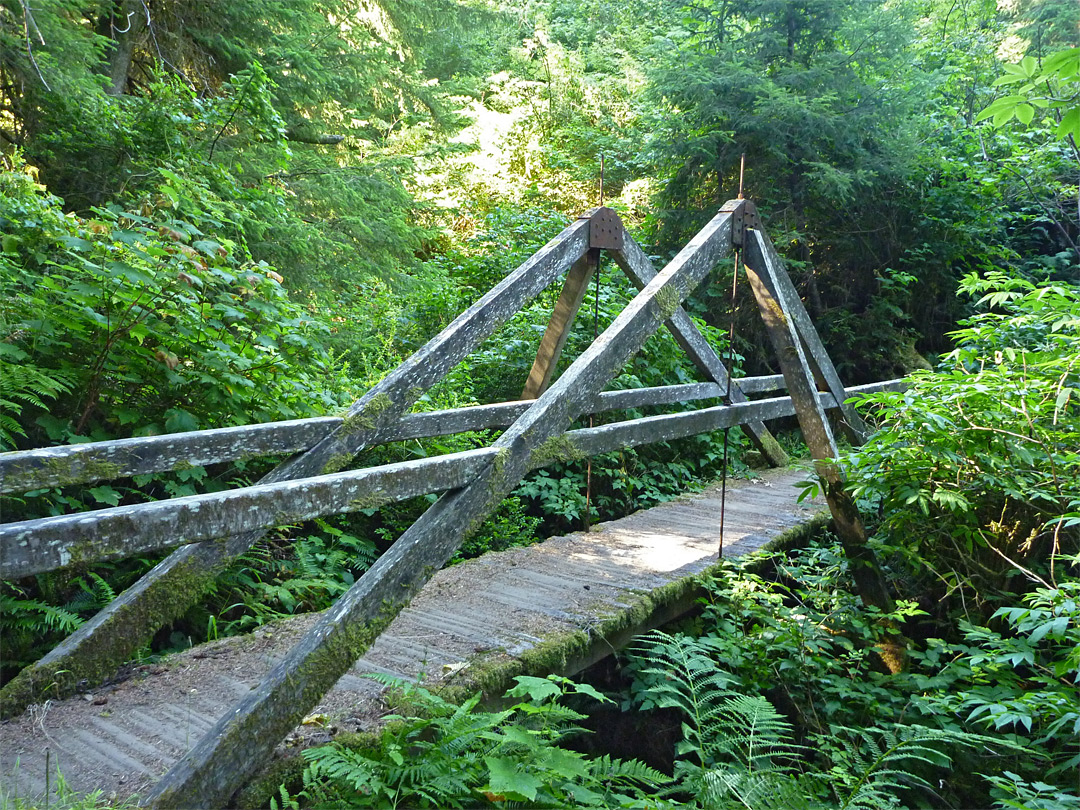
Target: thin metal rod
730,367
596,333
601,179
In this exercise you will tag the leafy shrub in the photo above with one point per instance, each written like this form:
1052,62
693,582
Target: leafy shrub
977,464
444,755
150,323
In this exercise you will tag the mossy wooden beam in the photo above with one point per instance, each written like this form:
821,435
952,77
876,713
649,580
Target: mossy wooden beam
45,467
776,278
23,470
45,544
632,259
560,324
219,763
814,424
36,546
362,426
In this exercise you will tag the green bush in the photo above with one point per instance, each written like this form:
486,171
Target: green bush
977,466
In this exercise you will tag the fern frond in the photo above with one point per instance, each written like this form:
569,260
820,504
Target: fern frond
626,771
878,762
22,386
31,614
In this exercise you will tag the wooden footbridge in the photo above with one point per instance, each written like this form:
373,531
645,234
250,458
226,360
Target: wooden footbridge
226,738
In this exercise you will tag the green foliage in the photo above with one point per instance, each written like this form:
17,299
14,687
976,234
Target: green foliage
286,575
444,755
1052,84
62,796
737,750
152,324
984,452
1024,677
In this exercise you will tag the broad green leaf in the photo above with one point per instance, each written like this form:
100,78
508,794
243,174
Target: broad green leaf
536,689
1070,124
178,420
105,494
505,778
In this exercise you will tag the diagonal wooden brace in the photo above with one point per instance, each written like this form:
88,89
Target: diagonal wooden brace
633,261
562,321
94,651
217,765
777,280
814,423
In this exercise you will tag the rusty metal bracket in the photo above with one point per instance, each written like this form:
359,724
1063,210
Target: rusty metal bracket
744,217
605,228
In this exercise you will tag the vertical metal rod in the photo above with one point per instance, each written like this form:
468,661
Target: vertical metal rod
601,179
730,367
596,332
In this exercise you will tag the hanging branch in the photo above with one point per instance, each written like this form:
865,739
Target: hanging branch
28,21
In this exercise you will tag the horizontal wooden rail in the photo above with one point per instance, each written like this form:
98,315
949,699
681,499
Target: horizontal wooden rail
47,467
36,546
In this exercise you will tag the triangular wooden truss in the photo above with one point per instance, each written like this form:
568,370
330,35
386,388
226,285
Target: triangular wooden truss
211,769
475,483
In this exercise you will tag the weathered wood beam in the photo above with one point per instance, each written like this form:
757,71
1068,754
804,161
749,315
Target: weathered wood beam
35,546
760,385
632,259
780,286
814,423
117,631
45,467
24,470
45,544
217,765
562,321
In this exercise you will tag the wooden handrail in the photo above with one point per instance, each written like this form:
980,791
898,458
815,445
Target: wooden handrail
45,544
24,470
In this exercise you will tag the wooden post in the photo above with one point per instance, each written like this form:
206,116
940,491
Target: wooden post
815,426
562,321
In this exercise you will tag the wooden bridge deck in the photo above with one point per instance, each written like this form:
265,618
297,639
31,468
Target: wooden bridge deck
121,738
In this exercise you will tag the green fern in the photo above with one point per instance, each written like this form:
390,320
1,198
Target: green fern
22,386
739,747
440,754
879,764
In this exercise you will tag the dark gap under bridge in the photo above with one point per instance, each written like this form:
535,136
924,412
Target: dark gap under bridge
207,531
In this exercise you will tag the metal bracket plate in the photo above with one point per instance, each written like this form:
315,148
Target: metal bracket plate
605,228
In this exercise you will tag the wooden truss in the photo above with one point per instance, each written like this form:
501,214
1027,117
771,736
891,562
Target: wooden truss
209,530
